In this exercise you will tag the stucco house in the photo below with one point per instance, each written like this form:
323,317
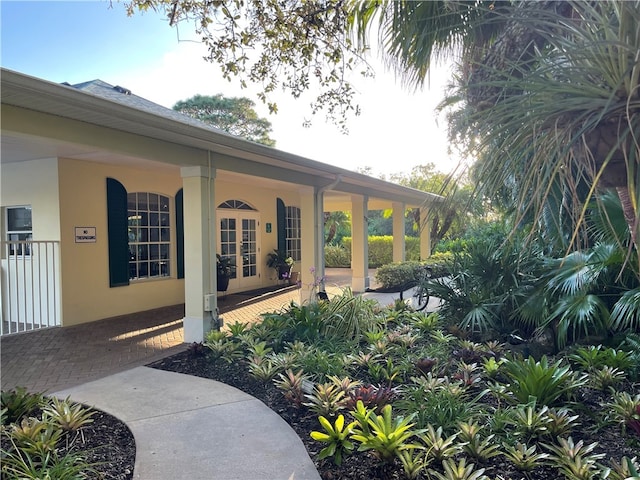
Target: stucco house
112,204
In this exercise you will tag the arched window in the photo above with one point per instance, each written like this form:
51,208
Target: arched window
236,205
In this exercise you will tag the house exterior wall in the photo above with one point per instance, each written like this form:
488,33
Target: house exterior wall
86,295
34,183
30,296
68,193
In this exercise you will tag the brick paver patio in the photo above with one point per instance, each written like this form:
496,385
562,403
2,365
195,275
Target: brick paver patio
57,358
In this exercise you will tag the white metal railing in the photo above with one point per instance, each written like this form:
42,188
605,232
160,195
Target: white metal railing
30,284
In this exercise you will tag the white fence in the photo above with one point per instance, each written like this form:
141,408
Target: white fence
30,284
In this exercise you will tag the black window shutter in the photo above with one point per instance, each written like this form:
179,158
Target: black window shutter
180,233
281,225
117,231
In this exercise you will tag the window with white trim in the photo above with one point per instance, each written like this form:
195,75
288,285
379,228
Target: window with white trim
19,229
294,242
149,228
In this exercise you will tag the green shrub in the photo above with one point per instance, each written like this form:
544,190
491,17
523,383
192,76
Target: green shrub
337,256
394,275
451,245
381,250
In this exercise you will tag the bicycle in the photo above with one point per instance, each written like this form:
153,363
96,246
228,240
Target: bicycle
420,297
421,293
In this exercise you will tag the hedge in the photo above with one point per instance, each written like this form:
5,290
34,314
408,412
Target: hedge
380,251
399,274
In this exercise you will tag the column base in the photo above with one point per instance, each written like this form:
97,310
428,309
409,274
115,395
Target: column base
360,284
195,328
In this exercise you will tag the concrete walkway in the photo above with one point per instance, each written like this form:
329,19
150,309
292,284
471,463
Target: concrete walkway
192,428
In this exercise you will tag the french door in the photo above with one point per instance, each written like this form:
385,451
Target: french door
239,240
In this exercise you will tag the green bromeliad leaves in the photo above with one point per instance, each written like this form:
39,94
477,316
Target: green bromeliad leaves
548,384
337,437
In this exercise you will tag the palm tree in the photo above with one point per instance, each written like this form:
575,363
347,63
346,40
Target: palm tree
547,95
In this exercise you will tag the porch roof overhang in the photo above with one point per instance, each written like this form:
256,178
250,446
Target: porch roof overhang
230,154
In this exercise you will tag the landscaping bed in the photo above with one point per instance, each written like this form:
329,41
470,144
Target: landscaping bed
477,392
69,441
365,466
419,399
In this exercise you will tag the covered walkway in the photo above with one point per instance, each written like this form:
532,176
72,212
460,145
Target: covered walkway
58,358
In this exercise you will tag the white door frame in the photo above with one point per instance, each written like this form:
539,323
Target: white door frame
244,244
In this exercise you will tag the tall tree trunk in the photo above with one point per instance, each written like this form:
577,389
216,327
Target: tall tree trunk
332,232
630,215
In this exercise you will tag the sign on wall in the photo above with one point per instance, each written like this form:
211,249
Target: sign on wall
85,234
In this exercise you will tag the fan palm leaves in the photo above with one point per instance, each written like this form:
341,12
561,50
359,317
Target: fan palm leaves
413,33
548,93
569,114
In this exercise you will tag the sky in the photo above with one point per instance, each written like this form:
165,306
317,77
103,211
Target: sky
78,41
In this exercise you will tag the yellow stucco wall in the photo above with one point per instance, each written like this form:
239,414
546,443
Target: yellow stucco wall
86,295
67,193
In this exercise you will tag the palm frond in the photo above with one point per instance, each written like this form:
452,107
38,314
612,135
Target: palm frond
572,274
626,312
577,315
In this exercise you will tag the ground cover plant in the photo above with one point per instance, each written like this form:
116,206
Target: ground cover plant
390,393
50,438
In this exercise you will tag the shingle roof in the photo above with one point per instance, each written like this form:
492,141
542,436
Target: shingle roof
124,96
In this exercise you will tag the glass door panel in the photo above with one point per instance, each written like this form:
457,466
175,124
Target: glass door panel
228,247
239,240
249,248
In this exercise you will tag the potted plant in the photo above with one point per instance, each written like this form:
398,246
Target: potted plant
281,263
225,270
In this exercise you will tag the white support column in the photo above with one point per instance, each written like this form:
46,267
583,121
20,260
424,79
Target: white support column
309,227
359,244
199,251
399,246
425,234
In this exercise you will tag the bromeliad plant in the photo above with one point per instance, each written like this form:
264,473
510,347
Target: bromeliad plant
576,461
39,448
459,471
336,437
292,386
19,403
371,397
625,410
438,446
326,399
476,446
385,435
529,422
547,383
523,457
67,415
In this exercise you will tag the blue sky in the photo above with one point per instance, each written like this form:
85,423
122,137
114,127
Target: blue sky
78,41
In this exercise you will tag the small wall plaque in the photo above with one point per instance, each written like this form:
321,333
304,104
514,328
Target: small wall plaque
268,225
85,234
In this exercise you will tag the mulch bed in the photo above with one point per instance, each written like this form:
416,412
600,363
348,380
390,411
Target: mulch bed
364,466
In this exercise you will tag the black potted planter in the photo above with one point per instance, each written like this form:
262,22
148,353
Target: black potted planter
225,269
222,283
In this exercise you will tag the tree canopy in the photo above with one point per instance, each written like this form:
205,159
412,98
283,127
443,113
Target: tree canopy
547,93
233,115
292,45
451,217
